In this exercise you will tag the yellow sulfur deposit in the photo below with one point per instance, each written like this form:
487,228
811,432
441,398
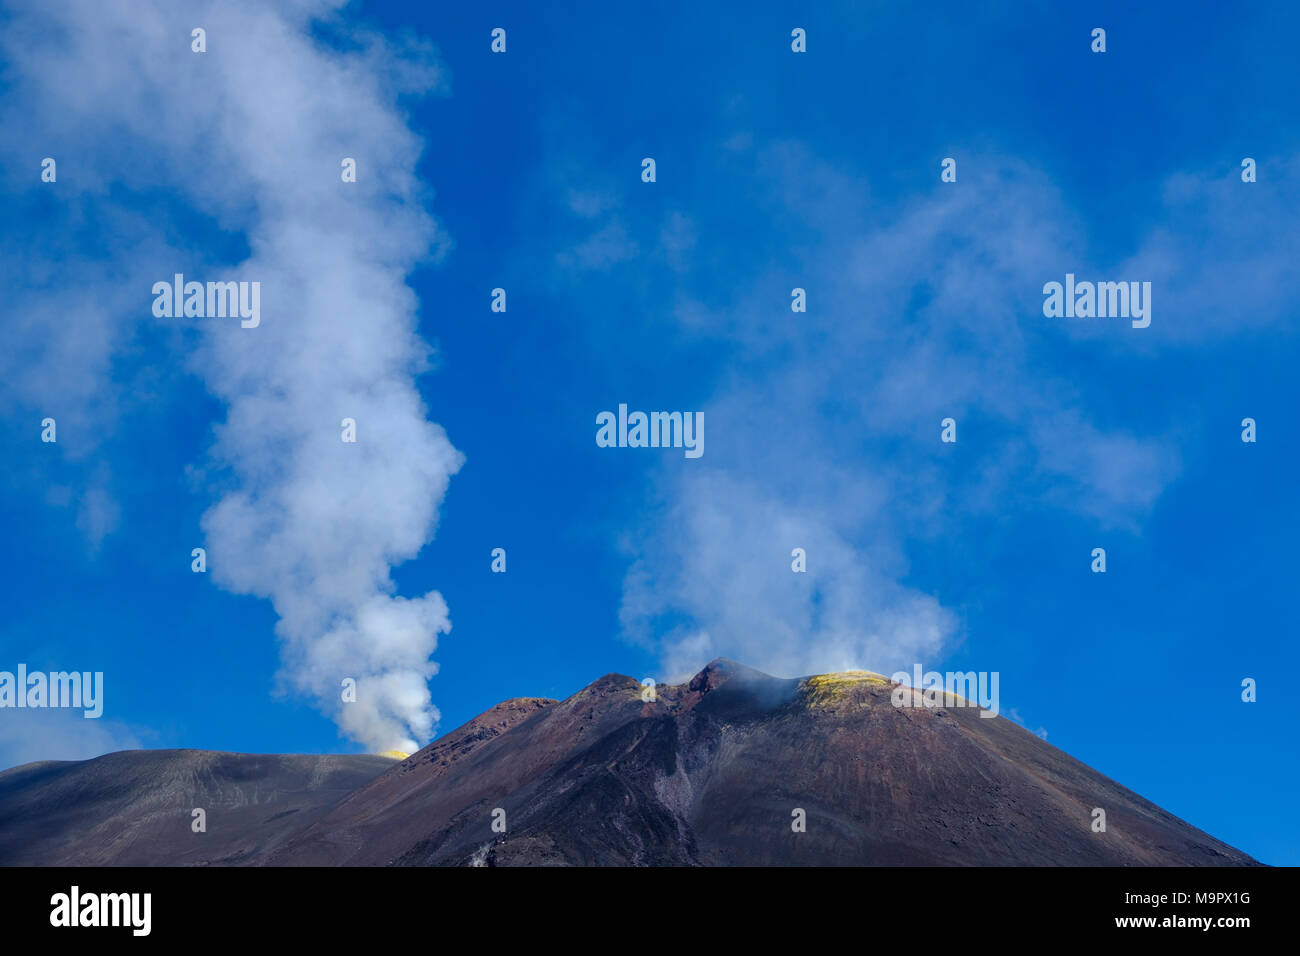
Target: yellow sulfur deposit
827,689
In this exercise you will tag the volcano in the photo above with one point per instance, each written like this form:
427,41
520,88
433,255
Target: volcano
732,768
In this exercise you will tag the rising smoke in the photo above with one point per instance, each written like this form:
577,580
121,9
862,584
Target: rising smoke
249,137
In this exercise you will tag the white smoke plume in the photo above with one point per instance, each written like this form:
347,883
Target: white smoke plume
249,136
824,434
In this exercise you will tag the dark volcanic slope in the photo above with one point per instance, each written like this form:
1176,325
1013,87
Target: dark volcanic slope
134,807
709,773
359,828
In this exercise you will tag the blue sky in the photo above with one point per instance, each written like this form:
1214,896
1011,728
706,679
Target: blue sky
775,170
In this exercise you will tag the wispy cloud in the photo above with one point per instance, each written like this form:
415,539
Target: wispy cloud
1014,714
1221,254
31,734
825,433
607,246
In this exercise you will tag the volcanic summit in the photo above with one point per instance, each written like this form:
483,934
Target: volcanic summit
733,767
